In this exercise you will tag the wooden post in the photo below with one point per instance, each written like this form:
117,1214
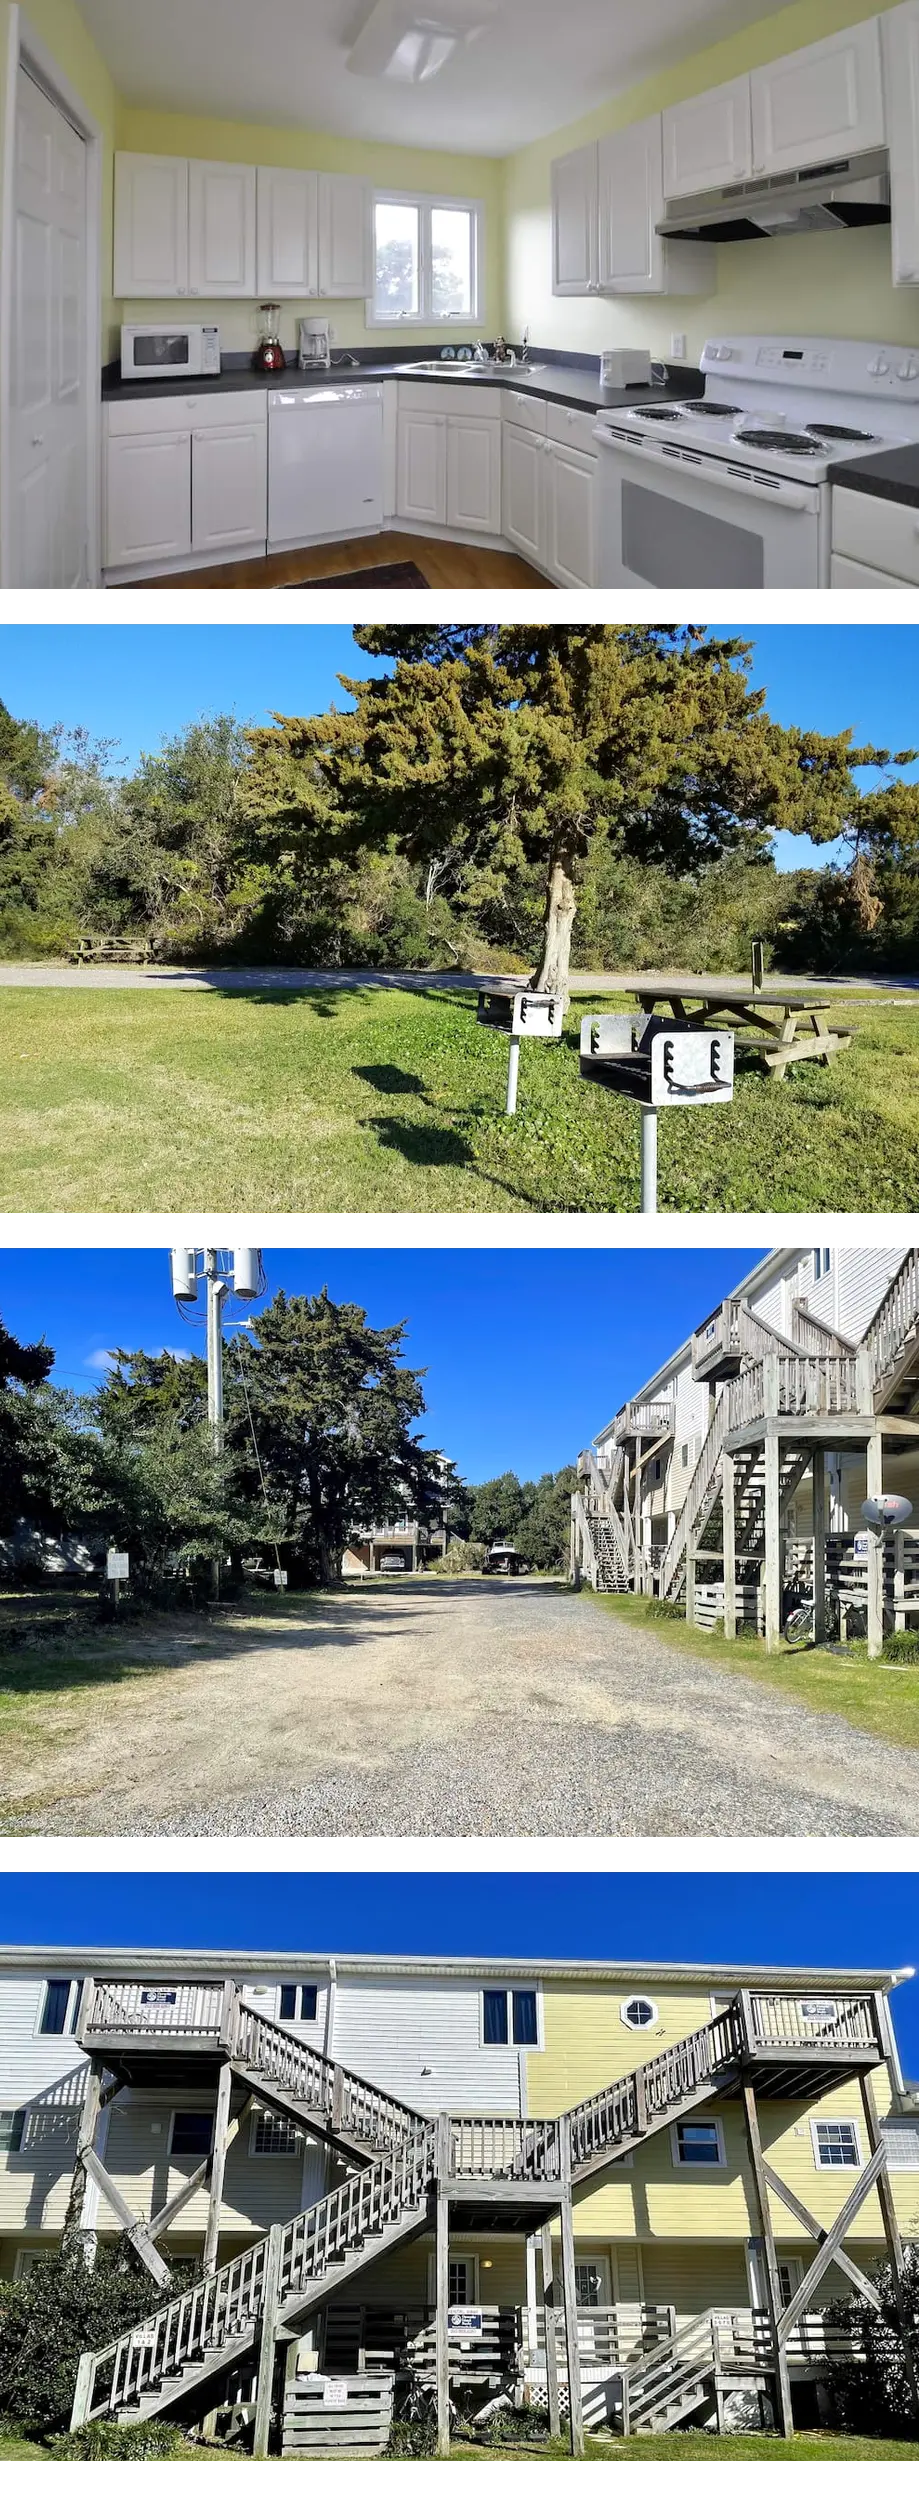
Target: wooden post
442,2288
86,2140
728,1546
875,1486
899,1579
570,2300
818,1484
83,2389
636,1512
550,2311
773,1544
770,2263
893,2239
218,2163
264,2395
690,1584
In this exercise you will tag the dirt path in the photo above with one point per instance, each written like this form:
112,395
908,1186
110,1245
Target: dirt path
441,1708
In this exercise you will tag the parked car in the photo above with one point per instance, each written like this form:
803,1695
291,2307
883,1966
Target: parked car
393,1564
504,1561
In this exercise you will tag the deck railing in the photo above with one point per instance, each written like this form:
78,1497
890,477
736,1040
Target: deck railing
653,1420
504,2147
157,2008
830,2023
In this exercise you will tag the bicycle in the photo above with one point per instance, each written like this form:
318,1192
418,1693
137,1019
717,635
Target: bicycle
799,1624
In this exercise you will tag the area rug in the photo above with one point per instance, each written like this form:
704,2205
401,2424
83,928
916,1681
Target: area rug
380,576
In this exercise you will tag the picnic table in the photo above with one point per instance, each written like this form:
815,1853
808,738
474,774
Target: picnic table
781,1024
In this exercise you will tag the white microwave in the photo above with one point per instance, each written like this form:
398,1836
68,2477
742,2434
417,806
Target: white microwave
150,351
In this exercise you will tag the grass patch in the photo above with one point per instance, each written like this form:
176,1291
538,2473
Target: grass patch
336,1100
694,2445
839,1684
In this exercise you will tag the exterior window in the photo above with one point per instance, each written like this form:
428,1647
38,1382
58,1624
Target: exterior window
56,2006
791,2274
697,2144
836,2144
426,259
192,2133
510,2015
299,2001
639,2012
461,2290
525,2025
12,2122
591,2283
494,2018
823,1263
275,2136
901,2136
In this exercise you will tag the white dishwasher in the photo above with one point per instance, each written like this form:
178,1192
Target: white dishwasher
325,462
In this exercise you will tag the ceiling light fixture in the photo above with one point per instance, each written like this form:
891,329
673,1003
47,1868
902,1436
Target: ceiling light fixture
412,45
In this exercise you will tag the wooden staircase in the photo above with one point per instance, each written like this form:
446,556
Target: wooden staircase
289,2075
674,2382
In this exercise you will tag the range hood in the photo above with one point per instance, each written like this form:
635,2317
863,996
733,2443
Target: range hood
852,190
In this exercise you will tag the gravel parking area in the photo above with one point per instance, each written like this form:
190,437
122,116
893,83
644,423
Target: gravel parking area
440,1708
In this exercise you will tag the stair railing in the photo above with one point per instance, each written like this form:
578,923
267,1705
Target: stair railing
621,2113
700,1483
353,2106
894,1320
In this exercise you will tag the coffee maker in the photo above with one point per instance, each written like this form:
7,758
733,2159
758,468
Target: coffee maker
315,346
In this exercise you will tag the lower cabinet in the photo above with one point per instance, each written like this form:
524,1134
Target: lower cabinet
421,468
184,477
523,463
873,537
448,462
474,475
549,505
148,498
229,486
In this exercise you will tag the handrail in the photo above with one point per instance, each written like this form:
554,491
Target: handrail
700,1481
894,1319
354,2106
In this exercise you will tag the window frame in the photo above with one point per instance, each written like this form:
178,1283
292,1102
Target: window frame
13,2148
508,2044
197,2154
837,2166
697,2166
263,2114
639,2027
426,203
74,1986
298,2017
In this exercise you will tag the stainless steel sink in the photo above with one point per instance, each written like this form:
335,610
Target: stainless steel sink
469,372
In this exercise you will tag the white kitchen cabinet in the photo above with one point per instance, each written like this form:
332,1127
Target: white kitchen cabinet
287,205
229,485
900,43
824,101
846,574
147,498
634,259
221,229
575,227
422,467
708,140
151,226
522,497
570,516
474,475
344,236
881,534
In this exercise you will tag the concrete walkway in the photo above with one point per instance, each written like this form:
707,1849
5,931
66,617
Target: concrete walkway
241,982
440,1708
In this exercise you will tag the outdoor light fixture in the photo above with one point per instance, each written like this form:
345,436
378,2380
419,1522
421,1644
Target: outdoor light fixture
412,45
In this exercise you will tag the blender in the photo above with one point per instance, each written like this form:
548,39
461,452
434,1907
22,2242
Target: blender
269,354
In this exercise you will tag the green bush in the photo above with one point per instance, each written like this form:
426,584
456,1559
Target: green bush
872,2390
660,1609
514,2426
412,2439
47,2320
106,2439
903,1647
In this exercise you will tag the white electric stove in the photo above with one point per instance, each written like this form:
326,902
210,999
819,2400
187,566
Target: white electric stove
732,490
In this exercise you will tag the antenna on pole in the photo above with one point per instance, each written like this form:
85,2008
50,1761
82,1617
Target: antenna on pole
237,1273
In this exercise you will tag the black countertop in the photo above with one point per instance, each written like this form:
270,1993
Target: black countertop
892,475
568,385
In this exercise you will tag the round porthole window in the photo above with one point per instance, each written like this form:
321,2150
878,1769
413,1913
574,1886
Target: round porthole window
639,2012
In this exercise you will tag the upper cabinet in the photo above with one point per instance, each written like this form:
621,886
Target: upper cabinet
708,140
575,231
344,236
151,225
827,100
221,229
633,257
288,233
901,79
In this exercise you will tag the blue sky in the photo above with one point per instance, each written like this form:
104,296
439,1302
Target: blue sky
868,1920
142,683
479,1321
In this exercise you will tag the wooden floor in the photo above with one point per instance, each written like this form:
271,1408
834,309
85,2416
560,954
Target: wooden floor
445,565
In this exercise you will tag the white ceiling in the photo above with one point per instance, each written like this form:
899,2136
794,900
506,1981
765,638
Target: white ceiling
539,64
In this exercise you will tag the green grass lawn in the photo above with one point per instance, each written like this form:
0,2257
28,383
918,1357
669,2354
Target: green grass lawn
347,1100
692,2445
871,1696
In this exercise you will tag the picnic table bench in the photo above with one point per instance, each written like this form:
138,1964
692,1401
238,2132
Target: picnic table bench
114,949
781,1024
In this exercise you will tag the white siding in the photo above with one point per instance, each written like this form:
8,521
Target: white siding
421,2038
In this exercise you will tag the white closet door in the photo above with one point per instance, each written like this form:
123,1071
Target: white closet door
49,411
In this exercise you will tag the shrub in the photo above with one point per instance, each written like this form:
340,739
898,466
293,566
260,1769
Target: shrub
106,2439
514,2426
47,2319
660,1609
902,1647
412,2439
872,2389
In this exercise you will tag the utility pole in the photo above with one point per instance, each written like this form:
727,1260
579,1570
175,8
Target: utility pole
217,1288
242,1280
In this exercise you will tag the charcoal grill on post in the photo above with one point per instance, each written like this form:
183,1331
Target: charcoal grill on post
661,1065
525,1014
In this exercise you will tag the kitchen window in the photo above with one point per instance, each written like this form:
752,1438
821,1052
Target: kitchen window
698,2144
60,2007
274,2136
836,2144
426,260
510,2017
299,2002
192,2133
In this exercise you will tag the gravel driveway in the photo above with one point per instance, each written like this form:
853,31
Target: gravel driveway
444,1708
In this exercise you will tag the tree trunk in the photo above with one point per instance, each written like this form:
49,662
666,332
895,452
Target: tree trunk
558,922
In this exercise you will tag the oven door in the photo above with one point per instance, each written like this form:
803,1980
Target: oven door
672,519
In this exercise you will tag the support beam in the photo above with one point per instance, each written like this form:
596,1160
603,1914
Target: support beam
797,2305
570,2300
772,1543
264,2394
442,2289
818,1480
728,1545
134,2229
772,2282
875,1485
550,2312
812,2226
218,2163
892,2237
86,2141
690,1584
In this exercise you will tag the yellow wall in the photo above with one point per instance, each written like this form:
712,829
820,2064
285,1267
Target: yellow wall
60,27
402,168
829,284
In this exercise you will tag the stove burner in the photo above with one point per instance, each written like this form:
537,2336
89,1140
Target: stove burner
717,407
770,438
661,415
840,433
